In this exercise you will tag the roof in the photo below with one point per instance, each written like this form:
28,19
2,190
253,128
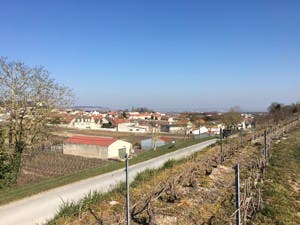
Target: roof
165,139
120,120
201,121
91,140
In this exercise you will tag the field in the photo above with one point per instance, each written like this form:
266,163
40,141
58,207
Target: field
41,165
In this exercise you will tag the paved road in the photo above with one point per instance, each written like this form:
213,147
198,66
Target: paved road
41,207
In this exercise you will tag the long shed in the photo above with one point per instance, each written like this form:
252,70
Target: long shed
97,147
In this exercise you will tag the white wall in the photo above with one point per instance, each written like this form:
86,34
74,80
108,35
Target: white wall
113,149
176,129
132,127
89,151
202,130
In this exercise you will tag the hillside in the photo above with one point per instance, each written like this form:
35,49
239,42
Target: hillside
281,192
197,190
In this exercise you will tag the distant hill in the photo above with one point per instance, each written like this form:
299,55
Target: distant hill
92,108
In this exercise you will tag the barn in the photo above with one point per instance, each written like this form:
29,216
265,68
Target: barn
96,147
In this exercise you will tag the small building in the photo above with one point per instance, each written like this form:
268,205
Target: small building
85,122
97,147
177,129
132,127
200,130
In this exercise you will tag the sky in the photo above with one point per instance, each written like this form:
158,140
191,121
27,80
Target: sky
165,55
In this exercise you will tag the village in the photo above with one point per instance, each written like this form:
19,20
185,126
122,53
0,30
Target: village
112,134
81,138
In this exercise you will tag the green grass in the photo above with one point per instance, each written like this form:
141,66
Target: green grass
281,199
15,193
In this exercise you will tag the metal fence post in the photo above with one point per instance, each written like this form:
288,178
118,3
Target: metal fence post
237,193
127,192
221,146
265,145
241,135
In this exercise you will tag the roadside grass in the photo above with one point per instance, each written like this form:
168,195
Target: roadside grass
15,193
281,191
71,209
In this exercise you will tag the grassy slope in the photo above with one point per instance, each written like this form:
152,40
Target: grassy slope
282,187
11,194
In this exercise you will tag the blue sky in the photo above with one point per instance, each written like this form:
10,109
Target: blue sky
166,55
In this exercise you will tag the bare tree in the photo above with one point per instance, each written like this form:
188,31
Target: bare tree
27,96
231,118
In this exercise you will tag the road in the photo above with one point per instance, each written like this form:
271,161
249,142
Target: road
39,208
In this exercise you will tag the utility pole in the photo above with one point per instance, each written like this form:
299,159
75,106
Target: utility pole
127,192
237,194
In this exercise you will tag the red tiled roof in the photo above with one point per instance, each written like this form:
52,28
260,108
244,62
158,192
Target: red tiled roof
165,139
140,115
201,121
120,120
90,140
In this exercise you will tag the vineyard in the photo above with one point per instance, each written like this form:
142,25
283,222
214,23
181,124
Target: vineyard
40,165
198,190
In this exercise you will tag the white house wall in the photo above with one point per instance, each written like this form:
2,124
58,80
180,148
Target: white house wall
132,127
176,129
202,130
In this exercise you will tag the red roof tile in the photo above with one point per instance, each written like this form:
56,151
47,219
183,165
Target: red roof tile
90,140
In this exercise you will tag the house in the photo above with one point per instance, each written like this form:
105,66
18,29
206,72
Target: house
200,130
88,122
132,127
147,144
215,130
248,121
171,120
85,122
97,147
137,115
176,129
